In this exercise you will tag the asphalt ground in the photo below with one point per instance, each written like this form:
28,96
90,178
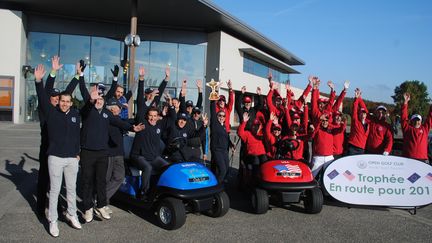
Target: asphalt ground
19,147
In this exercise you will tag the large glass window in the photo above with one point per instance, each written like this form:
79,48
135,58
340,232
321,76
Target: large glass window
259,68
101,54
191,67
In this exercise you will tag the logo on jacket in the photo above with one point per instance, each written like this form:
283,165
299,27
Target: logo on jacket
73,119
158,130
380,129
185,135
105,115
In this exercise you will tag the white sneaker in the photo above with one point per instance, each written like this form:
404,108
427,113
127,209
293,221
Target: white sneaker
73,221
101,212
88,215
53,228
108,210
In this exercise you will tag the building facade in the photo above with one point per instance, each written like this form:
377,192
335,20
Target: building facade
218,47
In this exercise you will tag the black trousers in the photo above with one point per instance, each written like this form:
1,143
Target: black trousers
146,167
220,162
43,177
115,175
353,150
94,166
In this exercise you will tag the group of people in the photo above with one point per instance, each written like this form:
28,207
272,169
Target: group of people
90,139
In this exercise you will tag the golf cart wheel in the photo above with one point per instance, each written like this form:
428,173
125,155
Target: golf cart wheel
171,213
313,201
221,205
260,201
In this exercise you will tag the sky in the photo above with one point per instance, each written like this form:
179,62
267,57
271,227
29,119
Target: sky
375,44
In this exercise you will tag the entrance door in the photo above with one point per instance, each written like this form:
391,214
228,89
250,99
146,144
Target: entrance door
6,98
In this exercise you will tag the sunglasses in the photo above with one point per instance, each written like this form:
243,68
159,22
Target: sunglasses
276,129
324,120
221,115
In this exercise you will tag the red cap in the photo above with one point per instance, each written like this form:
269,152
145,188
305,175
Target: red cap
256,122
276,126
222,98
322,100
296,116
337,113
247,99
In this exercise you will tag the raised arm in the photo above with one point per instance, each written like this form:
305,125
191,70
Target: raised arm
341,97
238,102
114,83
258,100
162,86
404,112
200,94
79,67
42,96
230,97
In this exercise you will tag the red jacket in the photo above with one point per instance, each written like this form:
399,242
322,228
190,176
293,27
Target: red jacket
323,139
227,109
254,145
415,140
358,133
338,139
380,137
270,141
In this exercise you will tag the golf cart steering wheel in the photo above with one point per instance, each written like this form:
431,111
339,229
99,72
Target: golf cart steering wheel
287,145
177,143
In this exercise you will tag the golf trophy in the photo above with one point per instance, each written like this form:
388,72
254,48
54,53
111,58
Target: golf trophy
213,94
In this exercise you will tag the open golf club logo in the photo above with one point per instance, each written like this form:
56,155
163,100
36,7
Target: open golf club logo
361,164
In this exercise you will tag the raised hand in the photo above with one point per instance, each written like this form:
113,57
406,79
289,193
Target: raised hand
138,128
205,119
357,92
272,85
288,86
82,65
311,80
141,72
243,89
229,84
407,97
270,76
273,117
258,91
346,84
199,84
39,73
167,73
331,85
55,63
94,94
245,117
78,68
115,71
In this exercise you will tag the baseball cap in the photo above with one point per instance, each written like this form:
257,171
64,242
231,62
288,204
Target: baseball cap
416,116
381,107
55,92
196,110
322,100
337,113
182,115
189,103
112,102
148,91
101,89
222,98
247,99
276,126
296,116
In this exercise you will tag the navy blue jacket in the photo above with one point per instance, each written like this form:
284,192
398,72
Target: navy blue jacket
63,128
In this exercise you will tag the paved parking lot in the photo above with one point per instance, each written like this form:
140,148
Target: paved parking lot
336,223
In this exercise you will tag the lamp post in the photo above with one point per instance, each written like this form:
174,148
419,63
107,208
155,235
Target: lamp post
129,41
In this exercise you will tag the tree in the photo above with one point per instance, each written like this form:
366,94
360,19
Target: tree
419,103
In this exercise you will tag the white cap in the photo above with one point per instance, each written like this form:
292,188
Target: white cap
416,116
381,107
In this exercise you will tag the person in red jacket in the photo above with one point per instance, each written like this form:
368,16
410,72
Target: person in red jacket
360,128
227,108
254,140
415,134
323,143
338,138
380,139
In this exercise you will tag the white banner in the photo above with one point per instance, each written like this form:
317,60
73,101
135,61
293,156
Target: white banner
379,180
